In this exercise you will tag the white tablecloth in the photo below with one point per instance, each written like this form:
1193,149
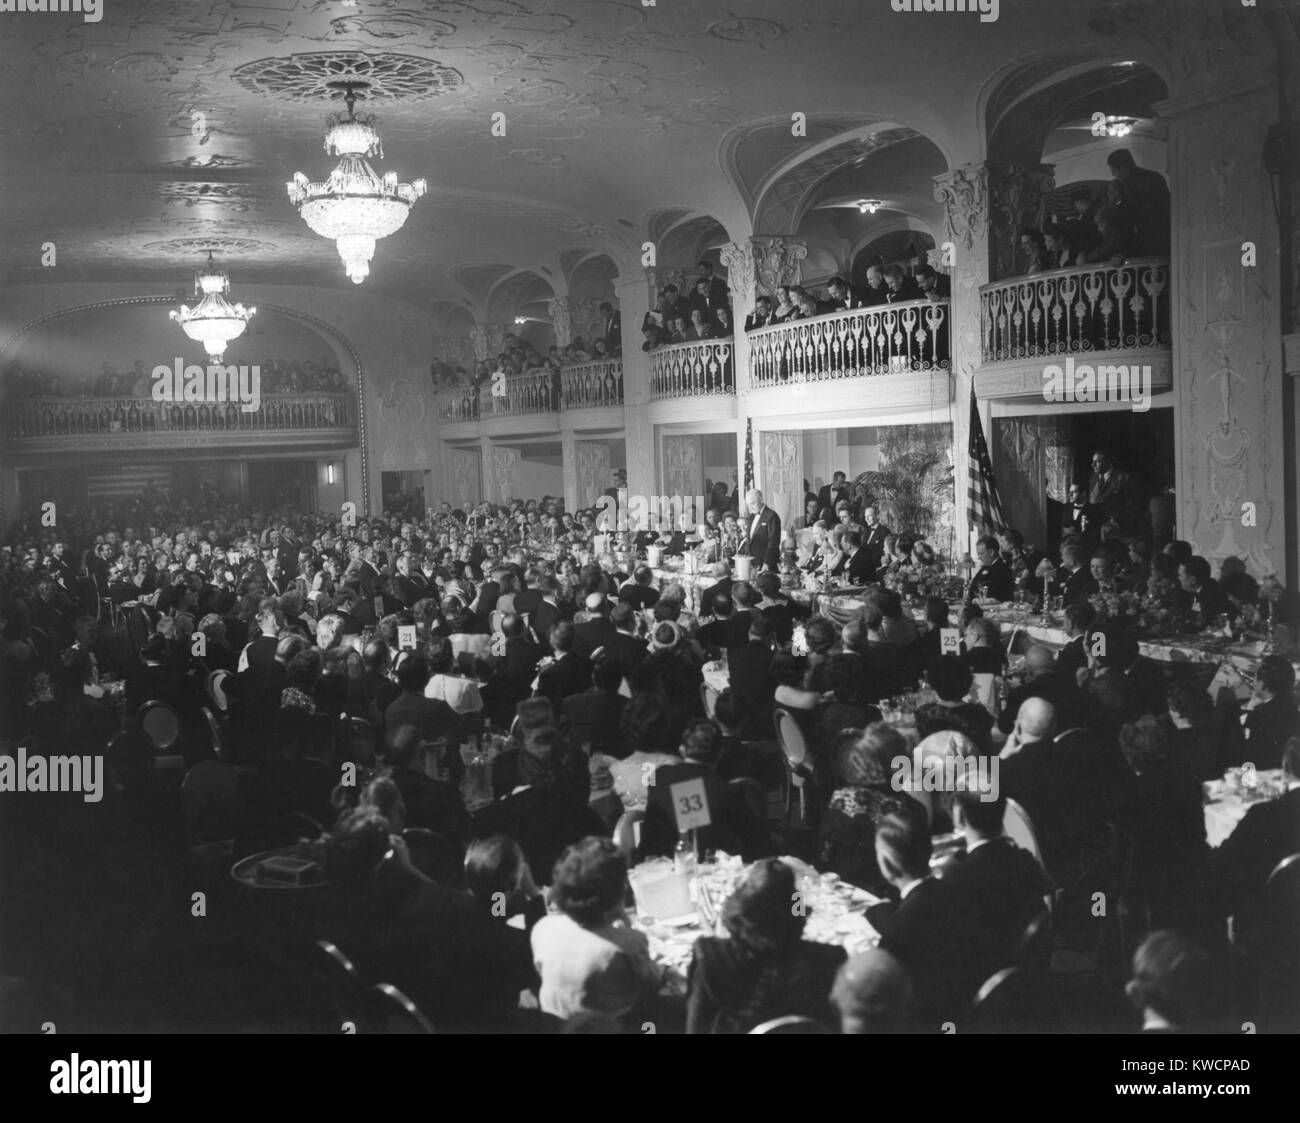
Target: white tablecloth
1223,813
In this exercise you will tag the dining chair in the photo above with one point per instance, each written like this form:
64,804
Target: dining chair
627,832
791,1023
709,698
215,735
1033,947
344,985
1279,944
795,751
396,1013
1020,829
1013,1000
161,726
751,791
215,688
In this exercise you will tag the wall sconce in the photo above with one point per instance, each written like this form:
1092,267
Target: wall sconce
329,473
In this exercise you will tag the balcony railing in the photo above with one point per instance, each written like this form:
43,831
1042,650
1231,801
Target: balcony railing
458,403
65,417
855,343
1089,308
692,370
534,391
592,385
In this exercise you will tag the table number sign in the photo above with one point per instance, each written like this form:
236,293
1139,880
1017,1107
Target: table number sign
949,641
406,637
690,805
379,606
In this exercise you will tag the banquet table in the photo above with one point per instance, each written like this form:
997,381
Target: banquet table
835,912
1226,805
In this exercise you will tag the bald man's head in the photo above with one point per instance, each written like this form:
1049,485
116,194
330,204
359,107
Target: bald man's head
1036,720
873,993
1039,659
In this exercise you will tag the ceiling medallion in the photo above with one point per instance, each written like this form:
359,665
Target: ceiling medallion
214,321
354,207
223,246
316,76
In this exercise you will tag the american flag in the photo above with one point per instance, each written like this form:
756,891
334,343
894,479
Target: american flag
983,506
749,454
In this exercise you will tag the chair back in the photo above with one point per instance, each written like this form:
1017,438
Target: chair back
209,796
751,791
343,983
627,833
1020,829
160,724
397,1013
709,697
1033,948
1281,937
790,737
215,735
494,621
1014,1000
215,687
791,1023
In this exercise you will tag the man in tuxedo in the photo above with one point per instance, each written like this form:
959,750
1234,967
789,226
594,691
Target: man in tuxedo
993,578
764,535
833,492
1044,681
875,291
408,584
1114,493
933,284
625,647
286,554
873,540
994,890
721,584
706,301
259,654
1074,583
1269,832
901,287
843,295
761,316
1024,560
734,826
611,329
374,691
752,681
1201,593
514,669
592,717
570,673
855,564
718,294
547,612
913,929
596,630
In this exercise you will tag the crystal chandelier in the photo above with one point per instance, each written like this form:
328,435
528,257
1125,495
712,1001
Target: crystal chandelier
214,321
354,207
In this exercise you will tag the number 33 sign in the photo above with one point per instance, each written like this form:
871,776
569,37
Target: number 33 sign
690,805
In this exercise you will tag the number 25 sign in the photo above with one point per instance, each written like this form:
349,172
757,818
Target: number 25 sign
690,805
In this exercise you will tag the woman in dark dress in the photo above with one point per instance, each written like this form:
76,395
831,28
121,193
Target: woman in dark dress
765,969
863,798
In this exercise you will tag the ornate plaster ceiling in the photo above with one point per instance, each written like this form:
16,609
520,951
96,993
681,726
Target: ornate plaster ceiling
172,125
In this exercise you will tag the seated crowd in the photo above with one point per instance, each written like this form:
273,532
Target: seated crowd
361,665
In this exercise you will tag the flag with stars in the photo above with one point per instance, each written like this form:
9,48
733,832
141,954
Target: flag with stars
983,505
749,454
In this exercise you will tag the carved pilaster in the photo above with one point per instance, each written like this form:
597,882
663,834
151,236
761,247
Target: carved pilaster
777,262
561,321
742,270
964,194
478,337
1016,199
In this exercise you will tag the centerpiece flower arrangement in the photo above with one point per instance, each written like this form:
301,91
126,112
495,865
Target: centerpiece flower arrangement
914,579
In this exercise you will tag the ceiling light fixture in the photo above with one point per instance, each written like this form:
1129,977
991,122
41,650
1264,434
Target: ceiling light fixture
1119,126
869,206
521,320
354,207
214,321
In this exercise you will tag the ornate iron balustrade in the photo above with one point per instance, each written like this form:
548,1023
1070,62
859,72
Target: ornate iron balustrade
1088,308
534,391
66,417
854,343
692,370
592,385
457,404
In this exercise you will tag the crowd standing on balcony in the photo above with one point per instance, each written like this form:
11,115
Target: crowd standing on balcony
278,376
703,313
1133,222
